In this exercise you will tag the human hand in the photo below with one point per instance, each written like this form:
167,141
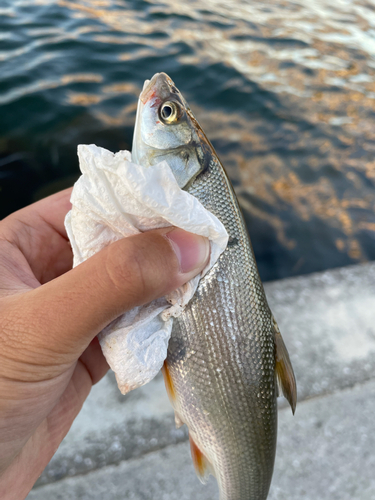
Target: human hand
50,315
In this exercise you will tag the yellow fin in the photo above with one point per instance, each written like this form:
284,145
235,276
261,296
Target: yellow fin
284,370
202,466
168,382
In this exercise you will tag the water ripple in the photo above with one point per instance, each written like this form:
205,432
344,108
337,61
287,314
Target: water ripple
285,90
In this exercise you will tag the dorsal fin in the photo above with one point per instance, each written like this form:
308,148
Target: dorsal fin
284,369
202,466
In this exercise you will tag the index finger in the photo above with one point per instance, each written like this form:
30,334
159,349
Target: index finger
53,209
38,233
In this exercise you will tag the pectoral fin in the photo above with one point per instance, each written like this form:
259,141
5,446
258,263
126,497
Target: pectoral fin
171,391
168,383
202,466
284,370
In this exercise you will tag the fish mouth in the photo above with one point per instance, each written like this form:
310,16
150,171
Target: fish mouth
160,86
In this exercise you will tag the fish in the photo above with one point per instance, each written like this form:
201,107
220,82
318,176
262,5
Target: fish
226,357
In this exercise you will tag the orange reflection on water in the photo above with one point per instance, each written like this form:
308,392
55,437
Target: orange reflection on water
125,117
81,77
82,99
316,62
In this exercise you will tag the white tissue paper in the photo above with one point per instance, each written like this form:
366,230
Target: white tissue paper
115,198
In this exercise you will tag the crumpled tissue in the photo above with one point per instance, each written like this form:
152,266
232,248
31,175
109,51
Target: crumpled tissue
115,198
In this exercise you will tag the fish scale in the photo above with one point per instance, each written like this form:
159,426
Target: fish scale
225,351
238,427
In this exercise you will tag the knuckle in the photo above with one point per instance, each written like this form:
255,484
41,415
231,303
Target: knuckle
14,333
141,266
124,269
10,337
24,356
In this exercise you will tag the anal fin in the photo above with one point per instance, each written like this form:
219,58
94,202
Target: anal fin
284,370
202,466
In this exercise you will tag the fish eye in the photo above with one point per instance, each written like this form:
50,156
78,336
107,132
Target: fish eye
169,112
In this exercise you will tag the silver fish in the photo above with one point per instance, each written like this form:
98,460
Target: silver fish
226,352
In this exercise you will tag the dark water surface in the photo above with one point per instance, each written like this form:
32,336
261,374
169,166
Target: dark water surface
285,91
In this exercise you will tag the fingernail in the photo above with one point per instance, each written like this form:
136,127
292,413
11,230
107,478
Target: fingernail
191,249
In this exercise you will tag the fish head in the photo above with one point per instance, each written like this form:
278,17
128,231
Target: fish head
166,129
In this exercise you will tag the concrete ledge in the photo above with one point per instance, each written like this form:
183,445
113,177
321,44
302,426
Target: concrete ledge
113,427
325,452
328,323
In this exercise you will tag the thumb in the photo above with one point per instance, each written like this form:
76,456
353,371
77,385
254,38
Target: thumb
65,314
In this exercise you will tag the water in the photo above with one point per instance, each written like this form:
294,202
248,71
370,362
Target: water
285,91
